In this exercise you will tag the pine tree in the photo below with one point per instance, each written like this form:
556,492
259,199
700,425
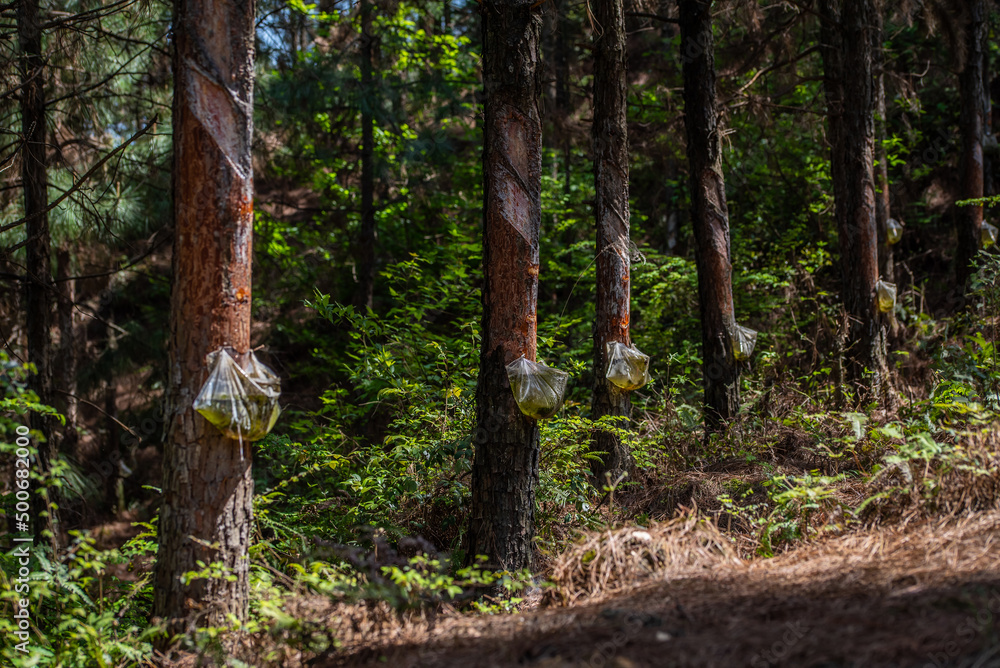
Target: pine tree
611,211
709,215
38,271
207,484
505,468
366,243
972,122
883,208
849,37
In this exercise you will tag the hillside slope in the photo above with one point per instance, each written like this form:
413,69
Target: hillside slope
925,594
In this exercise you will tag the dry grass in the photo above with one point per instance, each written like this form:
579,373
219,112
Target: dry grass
603,562
895,590
887,596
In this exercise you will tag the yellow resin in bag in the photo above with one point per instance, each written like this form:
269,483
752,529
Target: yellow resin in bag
894,231
886,296
538,389
241,402
988,235
627,367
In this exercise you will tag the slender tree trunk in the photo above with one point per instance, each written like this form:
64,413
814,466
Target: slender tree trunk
989,140
562,48
991,148
849,37
366,243
709,215
883,208
972,122
39,288
206,507
111,452
561,53
611,171
67,351
505,469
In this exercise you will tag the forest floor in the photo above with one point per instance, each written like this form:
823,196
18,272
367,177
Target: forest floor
922,593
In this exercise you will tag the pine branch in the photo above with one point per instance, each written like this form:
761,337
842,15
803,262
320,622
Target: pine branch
76,186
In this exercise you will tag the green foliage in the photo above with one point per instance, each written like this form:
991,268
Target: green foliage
88,607
377,445
413,369
796,499
15,397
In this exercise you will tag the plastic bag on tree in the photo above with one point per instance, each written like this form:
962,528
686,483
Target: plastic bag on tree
241,402
627,367
988,235
886,296
744,342
894,231
538,389
990,145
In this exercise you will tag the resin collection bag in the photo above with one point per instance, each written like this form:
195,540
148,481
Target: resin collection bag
241,402
744,342
894,231
627,367
988,235
886,296
538,389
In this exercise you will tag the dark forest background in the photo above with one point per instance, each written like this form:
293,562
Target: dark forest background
376,334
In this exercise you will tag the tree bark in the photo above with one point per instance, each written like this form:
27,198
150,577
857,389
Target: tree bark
38,284
709,215
205,511
849,37
611,171
68,342
972,122
366,242
505,468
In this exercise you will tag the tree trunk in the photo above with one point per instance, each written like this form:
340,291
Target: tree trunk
562,49
561,58
709,215
505,469
611,171
991,149
206,508
67,351
883,208
111,454
38,283
972,122
989,140
849,37
366,243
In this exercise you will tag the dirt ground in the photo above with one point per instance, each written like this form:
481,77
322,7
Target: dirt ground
925,594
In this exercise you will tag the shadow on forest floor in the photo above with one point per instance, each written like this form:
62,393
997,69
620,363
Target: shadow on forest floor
924,594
